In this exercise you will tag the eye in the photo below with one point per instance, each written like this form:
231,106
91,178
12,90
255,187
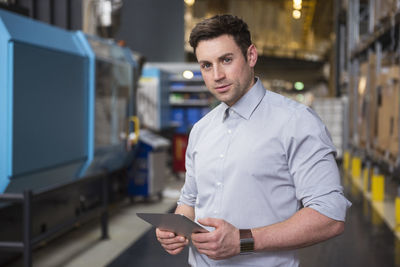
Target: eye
227,60
205,65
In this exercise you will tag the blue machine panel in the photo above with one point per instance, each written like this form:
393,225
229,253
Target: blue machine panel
50,98
45,91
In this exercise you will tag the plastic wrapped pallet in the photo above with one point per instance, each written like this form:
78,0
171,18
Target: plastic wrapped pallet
331,112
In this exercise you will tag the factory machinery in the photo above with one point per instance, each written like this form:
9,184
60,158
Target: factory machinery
67,130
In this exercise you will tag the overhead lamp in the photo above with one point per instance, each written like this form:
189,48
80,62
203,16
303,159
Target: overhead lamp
187,74
296,14
297,6
298,86
297,2
189,2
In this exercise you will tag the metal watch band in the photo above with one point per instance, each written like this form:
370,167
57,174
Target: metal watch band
246,241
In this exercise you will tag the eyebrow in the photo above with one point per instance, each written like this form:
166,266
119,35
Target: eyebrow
220,57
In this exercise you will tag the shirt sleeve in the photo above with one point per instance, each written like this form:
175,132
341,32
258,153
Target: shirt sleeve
189,190
311,160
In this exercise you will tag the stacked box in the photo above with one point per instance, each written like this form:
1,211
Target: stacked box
331,112
388,110
394,115
383,125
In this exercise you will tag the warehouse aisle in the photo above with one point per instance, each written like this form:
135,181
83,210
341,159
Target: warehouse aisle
367,241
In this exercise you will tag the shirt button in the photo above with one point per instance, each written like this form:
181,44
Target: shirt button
229,131
221,155
219,184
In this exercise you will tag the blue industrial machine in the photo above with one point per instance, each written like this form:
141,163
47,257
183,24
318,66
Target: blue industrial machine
66,116
65,100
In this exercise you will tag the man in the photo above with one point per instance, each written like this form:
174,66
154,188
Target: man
260,168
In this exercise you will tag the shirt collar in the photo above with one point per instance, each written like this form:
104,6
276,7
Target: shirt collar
246,105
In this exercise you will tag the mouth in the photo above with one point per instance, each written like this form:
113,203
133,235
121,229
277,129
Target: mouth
222,88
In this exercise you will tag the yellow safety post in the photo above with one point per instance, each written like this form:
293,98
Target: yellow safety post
397,252
378,187
365,179
376,219
346,161
397,212
356,167
132,140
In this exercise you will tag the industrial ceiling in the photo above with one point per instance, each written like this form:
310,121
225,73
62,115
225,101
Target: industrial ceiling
275,30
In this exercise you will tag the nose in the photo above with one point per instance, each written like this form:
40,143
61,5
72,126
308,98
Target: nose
219,73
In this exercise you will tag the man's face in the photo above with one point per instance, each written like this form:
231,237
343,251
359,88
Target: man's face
225,70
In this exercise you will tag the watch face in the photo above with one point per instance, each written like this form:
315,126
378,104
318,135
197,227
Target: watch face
246,241
246,245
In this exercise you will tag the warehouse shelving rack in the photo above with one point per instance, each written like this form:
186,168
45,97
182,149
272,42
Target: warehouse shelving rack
366,37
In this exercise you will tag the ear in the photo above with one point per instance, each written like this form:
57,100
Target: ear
252,55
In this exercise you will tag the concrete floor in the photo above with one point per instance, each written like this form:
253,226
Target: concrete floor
82,247
367,240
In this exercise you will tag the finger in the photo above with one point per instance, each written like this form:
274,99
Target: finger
174,246
164,234
167,241
213,222
202,237
207,246
175,251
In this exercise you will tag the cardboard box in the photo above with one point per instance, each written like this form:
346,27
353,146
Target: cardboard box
383,122
388,111
394,117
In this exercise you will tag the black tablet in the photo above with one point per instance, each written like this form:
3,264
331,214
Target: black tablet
176,223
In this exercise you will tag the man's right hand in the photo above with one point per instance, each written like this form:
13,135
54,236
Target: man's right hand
171,242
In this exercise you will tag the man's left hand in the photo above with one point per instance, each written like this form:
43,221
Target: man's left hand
222,243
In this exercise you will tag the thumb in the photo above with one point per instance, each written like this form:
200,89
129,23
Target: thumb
213,222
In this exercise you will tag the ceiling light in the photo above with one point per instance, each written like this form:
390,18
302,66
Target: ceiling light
297,6
296,14
187,74
297,2
189,2
299,86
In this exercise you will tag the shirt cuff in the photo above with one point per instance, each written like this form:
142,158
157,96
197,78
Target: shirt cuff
187,199
333,205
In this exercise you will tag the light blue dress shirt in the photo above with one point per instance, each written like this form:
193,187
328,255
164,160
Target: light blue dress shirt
255,164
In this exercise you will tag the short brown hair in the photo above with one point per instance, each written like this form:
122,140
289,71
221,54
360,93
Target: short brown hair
219,25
